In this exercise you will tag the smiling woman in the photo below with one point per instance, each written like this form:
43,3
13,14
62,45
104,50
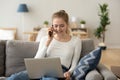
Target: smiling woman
57,43
8,33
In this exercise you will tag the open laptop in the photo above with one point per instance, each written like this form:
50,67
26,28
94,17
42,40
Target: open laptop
39,67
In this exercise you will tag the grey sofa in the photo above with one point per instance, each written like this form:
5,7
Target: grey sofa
12,54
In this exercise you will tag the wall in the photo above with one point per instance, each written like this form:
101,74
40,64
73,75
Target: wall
41,10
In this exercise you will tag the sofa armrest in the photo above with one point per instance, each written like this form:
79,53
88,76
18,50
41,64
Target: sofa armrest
106,73
94,75
2,57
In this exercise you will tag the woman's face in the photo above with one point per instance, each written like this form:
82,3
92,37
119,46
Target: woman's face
59,26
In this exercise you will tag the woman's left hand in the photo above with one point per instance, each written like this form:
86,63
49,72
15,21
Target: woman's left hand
67,75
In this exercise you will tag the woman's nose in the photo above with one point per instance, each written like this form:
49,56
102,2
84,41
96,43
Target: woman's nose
58,28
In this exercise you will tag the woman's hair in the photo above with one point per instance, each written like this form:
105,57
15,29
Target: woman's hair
62,14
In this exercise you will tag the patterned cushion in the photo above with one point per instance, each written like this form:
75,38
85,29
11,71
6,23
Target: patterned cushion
86,64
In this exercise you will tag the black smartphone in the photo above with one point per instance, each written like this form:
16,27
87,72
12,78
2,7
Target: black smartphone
50,33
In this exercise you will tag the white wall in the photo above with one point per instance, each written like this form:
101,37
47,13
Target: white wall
41,10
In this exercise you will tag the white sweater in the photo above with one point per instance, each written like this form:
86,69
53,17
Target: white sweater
69,52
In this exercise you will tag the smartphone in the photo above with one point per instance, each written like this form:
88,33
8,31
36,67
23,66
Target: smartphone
50,33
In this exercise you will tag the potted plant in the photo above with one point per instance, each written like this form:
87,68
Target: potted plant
46,23
104,21
82,23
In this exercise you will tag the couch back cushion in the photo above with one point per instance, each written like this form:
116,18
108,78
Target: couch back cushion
87,46
2,57
16,51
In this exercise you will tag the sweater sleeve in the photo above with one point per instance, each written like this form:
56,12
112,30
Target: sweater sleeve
42,49
76,55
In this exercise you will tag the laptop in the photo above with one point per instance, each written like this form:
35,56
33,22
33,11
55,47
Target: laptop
39,67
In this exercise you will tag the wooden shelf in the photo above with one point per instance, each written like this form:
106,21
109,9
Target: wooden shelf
81,32
34,32
32,35
79,29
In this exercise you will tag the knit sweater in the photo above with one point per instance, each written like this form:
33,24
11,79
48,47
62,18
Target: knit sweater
68,52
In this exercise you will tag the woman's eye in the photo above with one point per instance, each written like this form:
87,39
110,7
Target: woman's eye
61,25
55,25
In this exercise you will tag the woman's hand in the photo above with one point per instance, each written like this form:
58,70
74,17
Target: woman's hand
67,75
50,32
50,35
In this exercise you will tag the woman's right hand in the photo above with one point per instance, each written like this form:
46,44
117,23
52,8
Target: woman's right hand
50,35
50,32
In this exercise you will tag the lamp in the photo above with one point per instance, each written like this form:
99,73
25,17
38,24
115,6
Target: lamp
22,9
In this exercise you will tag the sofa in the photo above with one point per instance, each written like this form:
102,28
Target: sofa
13,52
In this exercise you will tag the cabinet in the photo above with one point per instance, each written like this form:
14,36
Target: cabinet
81,32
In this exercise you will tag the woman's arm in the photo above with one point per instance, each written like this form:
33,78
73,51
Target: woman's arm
42,48
76,55
44,43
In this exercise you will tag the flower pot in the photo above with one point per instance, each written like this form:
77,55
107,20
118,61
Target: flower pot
82,25
45,25
102,46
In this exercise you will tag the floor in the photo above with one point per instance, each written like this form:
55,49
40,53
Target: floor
111,57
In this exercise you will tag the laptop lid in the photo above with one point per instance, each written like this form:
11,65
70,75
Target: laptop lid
39,67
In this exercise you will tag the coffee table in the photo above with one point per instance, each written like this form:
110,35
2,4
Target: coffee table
116,70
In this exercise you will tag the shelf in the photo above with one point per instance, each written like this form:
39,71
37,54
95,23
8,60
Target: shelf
32,35
80,32
79,29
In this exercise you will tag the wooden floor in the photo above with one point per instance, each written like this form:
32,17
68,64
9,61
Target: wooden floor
111,57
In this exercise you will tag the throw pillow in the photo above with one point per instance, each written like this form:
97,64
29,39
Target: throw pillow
86,64
7,35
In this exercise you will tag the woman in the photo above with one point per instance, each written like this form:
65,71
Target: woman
58,43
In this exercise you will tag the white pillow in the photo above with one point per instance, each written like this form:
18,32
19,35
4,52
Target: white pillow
6,35
41,33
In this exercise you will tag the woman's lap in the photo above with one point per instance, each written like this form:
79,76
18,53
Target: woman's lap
49,78
19,76
24,76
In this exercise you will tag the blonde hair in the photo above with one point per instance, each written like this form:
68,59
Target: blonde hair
62,14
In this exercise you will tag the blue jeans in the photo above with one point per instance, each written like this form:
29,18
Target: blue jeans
24,76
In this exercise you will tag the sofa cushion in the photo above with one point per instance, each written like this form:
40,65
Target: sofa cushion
86,64
87,46
2,57
16,51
